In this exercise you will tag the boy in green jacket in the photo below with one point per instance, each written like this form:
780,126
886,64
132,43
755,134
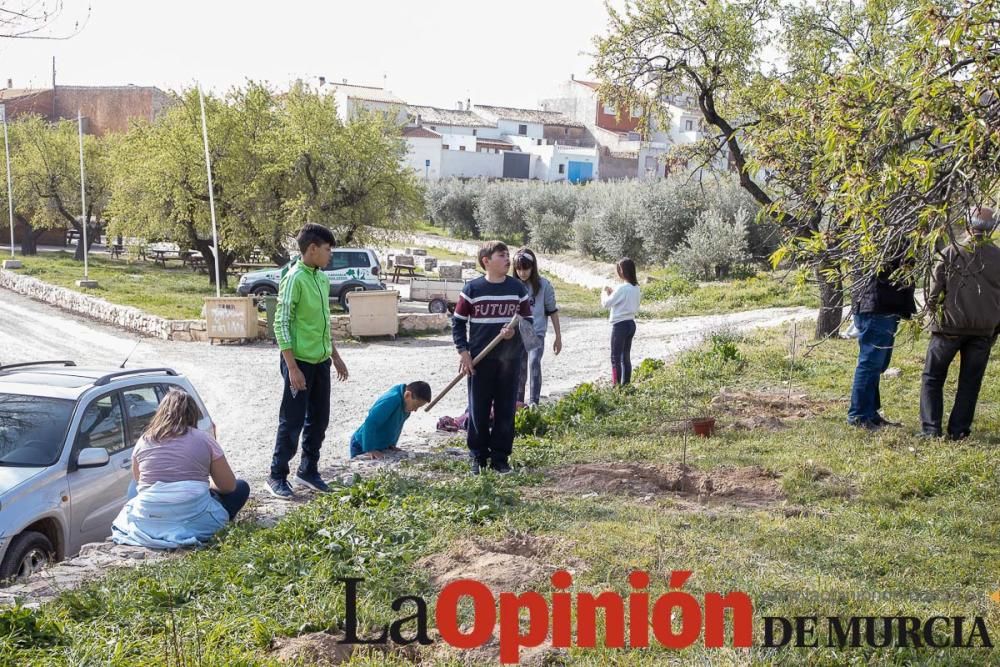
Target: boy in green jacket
385,420
302,329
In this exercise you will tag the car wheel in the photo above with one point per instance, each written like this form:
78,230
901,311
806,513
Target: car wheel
343,297
28,553
263,290
437,306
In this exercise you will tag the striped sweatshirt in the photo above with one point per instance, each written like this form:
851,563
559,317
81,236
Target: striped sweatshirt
483,309
302,321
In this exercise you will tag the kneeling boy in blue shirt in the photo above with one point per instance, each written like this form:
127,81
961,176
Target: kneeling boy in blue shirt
385,420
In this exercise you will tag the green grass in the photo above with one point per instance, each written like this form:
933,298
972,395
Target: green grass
893,526
174,292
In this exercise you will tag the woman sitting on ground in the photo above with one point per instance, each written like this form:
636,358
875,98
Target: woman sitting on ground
185,489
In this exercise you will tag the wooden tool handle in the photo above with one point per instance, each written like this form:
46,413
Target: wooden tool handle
479,357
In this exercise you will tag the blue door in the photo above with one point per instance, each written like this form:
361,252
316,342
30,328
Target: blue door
580,171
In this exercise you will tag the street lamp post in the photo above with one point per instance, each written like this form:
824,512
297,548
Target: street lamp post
86,282
10,263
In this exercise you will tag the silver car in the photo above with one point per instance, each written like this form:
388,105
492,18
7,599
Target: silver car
66,439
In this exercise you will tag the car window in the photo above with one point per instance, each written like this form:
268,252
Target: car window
349,259
338,260
32,429
140,406
358,259
102,426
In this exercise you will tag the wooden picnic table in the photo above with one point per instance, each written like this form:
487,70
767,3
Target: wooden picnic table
410,271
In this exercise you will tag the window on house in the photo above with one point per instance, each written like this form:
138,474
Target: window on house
444,146
461,148
474,132
562,169
496,150
610,110
433,127
539,142
522,129
565,130
688,125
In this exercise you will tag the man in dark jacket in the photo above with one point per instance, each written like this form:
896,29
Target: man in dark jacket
964,303
879,304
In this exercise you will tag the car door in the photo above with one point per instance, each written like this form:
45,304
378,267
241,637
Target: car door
97,494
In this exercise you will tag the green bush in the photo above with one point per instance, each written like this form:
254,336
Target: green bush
530,421
668,284
647,369
550,232
713,246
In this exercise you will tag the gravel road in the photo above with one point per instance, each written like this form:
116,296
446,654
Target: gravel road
242,387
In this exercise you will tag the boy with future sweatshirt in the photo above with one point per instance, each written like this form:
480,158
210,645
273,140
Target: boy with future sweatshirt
485,307
385,420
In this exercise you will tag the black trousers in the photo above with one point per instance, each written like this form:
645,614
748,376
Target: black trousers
306,414
975,355
493,386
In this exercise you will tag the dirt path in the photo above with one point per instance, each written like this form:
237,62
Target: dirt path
241,385
577,270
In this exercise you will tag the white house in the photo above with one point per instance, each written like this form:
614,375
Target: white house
625,152
539,132
353,99
423,153
460,129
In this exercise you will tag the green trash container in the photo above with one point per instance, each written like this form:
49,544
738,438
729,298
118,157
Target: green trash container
270,306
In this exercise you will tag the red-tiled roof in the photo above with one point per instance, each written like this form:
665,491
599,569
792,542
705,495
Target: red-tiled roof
419,133
589,84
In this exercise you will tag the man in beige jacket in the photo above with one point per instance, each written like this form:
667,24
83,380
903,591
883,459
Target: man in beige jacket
964,302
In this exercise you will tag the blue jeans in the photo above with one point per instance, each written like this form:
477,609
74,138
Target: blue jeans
232,501
531,367
876,336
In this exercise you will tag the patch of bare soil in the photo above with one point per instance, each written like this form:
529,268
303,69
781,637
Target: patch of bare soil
324,649
315,648
510,564
750,486
489,654
768,410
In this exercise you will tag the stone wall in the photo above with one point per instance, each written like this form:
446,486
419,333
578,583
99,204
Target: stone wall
409,323
125,317
133,319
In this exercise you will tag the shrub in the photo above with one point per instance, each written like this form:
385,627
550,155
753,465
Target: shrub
667,284
614,212
502,212
713,246
452,204
647,369
550,232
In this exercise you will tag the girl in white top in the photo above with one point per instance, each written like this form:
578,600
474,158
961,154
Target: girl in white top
623,302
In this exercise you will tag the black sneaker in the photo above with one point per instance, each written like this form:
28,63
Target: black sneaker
865,424
882,421
475,467
501,468
313,481
279,488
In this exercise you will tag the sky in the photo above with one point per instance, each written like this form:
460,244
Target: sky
507,52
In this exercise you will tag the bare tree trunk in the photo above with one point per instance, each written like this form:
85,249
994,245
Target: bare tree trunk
831,300
225,261
29,236
93,231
